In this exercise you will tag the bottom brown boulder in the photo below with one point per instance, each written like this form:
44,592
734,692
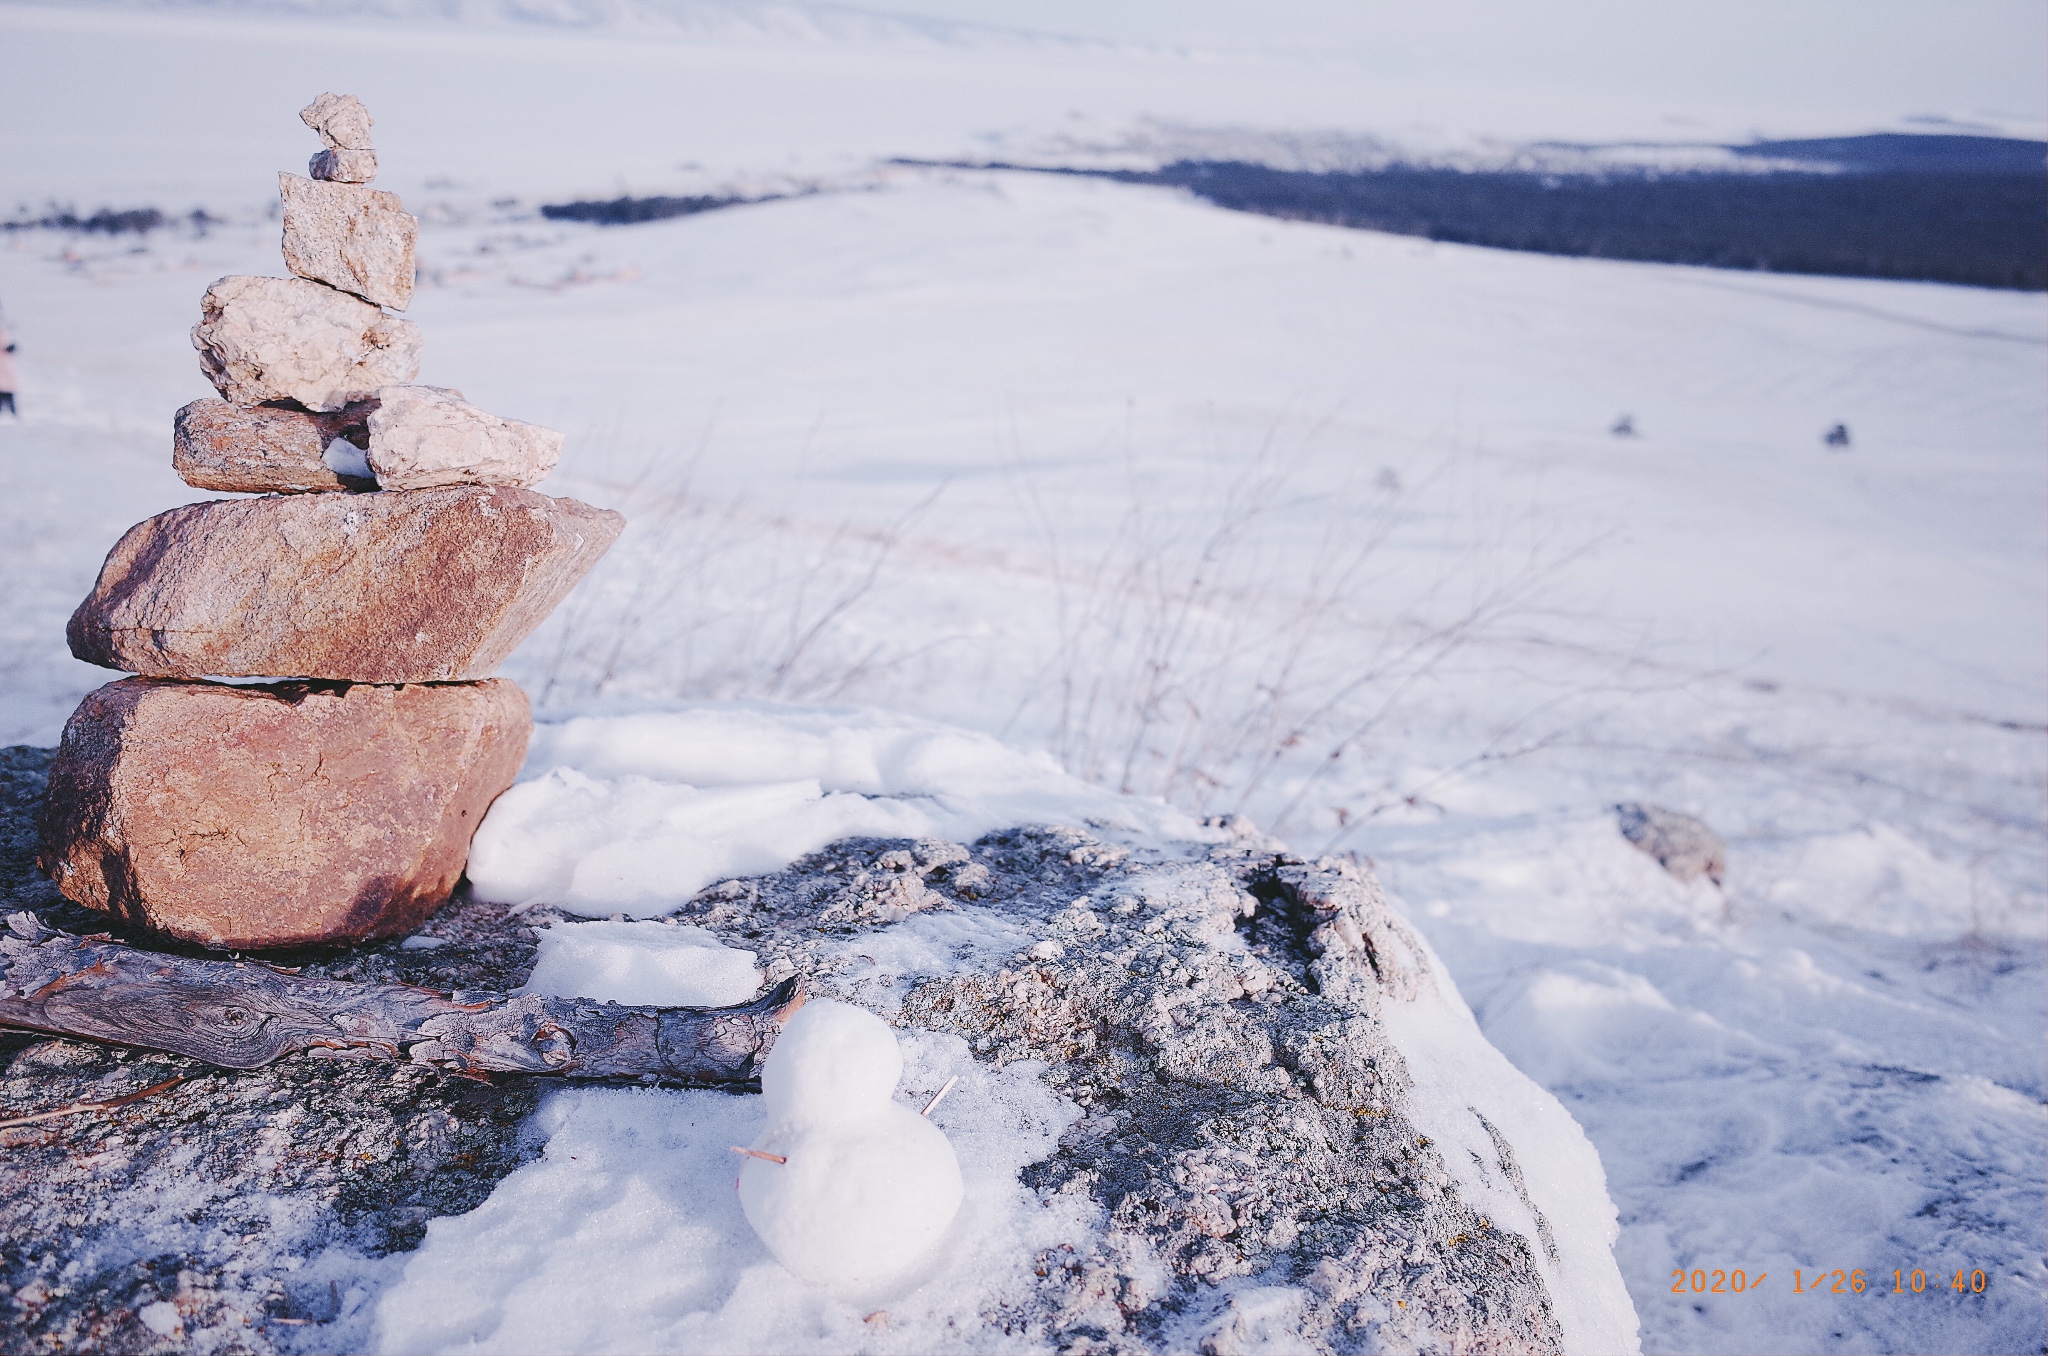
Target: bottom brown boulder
276,815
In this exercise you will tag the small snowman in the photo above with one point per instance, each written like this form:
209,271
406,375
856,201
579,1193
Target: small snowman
850,1189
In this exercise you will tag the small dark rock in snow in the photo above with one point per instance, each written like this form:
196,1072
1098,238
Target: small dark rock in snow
1681,844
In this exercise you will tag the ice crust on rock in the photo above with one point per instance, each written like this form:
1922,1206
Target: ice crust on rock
360,240
263,339
424,436
263,449
869,1186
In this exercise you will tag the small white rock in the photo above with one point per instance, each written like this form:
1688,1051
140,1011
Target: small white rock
421,436
341,120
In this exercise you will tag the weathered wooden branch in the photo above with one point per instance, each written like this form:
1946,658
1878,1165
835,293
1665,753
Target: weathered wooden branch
244,1014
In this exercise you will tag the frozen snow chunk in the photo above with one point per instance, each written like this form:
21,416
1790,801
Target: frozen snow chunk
642,847
655,964
422,436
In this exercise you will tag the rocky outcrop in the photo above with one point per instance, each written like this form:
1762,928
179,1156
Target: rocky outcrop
398,587
354,238
264,449
262,339
284,814
423,436
1216,1016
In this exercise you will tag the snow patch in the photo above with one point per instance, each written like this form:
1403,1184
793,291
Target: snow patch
627,1234
1519,1159
636,813
661,964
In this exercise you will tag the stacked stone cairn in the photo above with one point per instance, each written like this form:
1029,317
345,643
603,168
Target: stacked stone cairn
394,558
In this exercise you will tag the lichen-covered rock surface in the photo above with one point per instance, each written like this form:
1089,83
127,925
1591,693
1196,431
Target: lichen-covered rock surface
1214,1014
1246,1163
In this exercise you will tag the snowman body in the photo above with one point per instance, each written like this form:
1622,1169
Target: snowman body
867,1187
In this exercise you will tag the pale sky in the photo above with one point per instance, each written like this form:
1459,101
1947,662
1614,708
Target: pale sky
1962,58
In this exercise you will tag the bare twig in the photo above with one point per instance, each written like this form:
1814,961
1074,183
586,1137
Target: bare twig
939,1096
79,1108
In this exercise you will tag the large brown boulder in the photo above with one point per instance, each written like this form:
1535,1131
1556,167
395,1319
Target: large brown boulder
276,815
408,586
263,449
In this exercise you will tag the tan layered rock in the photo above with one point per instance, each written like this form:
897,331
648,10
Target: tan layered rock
398,587
421,436
343,166
262,449
341,120
279,815
265,339
345,235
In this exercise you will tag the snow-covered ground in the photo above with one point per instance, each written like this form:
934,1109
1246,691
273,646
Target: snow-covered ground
1317,526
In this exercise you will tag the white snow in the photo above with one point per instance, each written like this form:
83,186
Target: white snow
1090,471
1462,1085
664,965
860,1189
636,813
627,1234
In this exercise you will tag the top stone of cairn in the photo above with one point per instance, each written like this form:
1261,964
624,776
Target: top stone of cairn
344,127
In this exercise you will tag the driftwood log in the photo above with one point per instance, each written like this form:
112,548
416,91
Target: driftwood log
243,1014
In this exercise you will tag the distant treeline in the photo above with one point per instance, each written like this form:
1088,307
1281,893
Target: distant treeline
1952,209
625,211
106,221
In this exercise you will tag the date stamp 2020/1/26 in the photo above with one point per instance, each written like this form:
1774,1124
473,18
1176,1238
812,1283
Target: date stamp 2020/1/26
1721,1281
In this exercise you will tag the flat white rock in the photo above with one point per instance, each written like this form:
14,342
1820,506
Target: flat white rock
422,436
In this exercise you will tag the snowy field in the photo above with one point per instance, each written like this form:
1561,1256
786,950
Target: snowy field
1323,528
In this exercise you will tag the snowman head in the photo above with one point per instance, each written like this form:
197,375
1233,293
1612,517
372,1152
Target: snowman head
832,1063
